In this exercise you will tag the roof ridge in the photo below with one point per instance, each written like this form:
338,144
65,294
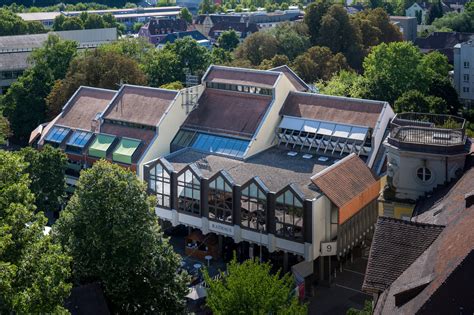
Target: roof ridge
412,223
334,166
362,100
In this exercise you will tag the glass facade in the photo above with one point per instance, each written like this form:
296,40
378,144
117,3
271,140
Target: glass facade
57,134
189,193
220,200
254,208
160,183
211,143
289,216
239,88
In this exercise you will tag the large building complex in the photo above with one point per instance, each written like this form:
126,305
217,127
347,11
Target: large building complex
249,157
125,16
15,50
464,71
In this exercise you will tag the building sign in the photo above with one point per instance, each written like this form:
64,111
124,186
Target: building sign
328,249
221,228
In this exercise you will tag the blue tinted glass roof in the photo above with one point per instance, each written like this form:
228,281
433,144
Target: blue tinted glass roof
221,145
57,134
79,138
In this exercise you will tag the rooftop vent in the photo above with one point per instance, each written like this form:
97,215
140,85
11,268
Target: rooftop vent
307,156
323,159
292,153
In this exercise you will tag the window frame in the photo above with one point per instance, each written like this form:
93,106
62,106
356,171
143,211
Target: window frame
162,196
261,205
291,209
217,196
183,186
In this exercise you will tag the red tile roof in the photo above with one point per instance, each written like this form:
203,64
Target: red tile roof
83,107
345,180
141,105
333,108
228,112
241,76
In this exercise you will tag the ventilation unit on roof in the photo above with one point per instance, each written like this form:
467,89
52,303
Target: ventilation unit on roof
323,159
292,153
307,156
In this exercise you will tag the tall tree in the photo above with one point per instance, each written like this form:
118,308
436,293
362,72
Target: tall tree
250,288
415,101
313,16
319,63
97,68
114,237
12,24
46,169
186,15
34,271
228,40
191,56
257,47
292,39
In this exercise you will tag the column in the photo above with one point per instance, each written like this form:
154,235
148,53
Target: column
236,196
271,222
204,198
174,190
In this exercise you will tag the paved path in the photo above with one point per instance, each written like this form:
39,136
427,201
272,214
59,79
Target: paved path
344,293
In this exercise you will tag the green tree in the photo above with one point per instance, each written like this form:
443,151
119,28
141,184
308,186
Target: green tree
4,129
250,288
191,56
97,68
220,56
435,11
24,102
12,24
313,16
376,27
72,23
46,169
257,47
435,65
390,70
177,85
137,26
415,101
138,49
162,68
292,39
367,310
444,89
276,61
341,84
186,15
319,63
33,269
94,21
207,7
228,40
113,235
341,34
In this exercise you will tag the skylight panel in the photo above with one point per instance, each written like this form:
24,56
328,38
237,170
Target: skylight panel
221,145
57,134
79,138
291,123
358,133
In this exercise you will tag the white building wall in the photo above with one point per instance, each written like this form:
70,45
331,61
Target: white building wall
377,137
464,71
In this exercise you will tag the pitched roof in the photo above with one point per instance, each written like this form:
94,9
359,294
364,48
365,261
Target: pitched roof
141,105
14,61
241,76
396,245
443,42
333,108
170,38
27,42
83,107
297,82
156,25
344,180
228,112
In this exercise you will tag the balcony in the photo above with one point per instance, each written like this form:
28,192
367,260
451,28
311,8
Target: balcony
430,133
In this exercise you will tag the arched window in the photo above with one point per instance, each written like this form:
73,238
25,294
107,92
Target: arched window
160,184
254,208
289,215
189,193
220,200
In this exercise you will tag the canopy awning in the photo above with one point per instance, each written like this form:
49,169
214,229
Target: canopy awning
100,145
125,149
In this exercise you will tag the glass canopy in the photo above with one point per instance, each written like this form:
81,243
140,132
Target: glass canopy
100,145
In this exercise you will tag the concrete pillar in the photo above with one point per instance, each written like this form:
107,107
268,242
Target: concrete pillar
251,251
271,222
174,190
204,198
307,221
236,195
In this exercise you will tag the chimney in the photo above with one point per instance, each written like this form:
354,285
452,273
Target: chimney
469,197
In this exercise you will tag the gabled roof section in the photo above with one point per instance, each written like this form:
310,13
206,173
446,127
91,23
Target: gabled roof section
343,181
241,76
140,105
297,82
339,109
84,106
228,112
395,246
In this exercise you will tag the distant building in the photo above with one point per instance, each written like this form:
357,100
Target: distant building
242,29
196,35
443,42
420,10
157,29
407,26
424,152
15,50
464,71
125,16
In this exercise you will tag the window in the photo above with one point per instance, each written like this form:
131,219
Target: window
254,208
424,174
220,200
77,141
289,216
57,134
466,77
466,64
189,193
465,89
160,183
